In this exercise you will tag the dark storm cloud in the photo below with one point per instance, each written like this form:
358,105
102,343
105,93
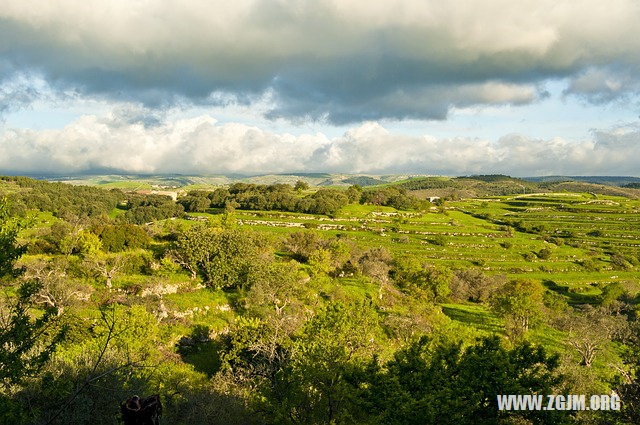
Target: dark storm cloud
340,61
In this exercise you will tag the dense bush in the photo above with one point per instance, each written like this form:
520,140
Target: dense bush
224,258
473,285
145,209
121,236
62,199
276,197
390,197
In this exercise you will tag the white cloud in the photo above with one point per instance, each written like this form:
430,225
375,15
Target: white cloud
203,146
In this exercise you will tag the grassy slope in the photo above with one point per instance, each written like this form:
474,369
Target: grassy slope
471,241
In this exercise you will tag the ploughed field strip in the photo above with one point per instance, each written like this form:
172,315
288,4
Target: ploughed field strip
568,239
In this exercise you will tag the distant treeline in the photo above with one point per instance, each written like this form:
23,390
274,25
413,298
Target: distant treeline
482,185
283,197
64,199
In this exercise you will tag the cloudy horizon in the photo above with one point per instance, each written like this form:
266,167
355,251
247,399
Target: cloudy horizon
253,87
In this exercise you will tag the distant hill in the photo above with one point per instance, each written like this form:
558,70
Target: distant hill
419,185
363,181
497,184
144,181
621,181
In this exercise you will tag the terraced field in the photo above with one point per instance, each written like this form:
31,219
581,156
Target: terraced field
576,243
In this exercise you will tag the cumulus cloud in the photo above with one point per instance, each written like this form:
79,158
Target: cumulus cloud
340,60
605,84
126,142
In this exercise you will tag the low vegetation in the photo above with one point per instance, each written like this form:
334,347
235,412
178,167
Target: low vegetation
289,304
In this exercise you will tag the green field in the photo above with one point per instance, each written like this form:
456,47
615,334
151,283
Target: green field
476,234
399,274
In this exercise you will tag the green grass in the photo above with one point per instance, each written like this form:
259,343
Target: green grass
476,316
487,323
200,298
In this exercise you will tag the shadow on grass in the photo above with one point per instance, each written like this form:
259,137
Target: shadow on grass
205,357
572,296
475,316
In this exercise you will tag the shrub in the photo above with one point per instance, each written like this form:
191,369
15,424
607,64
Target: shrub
544,254
439,240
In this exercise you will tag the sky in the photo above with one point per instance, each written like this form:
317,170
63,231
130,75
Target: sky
347,86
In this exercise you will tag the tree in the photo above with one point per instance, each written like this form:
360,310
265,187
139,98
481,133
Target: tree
354,193
430,281
301,244
10,251
121,236
230,256
589,330
301,185
320,261
519,302
88,244
628,385
23,346
223,257
190,249
24,343
274,287
375,263
544,254
339,339
196,201
106,266
434,383
473,285
68,233
56,290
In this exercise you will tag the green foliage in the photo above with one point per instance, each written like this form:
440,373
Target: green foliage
390,196
166,268
591,264
279,342
88,244
279,197
10,251
473,285
121,236
149,208
305,379
544,254
134,330
301,185
223,257
439,240
612,292
330,257
520,303
354,193
428,383
275,289
302,244
195,201
414,277
62,199
25,345
320,261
